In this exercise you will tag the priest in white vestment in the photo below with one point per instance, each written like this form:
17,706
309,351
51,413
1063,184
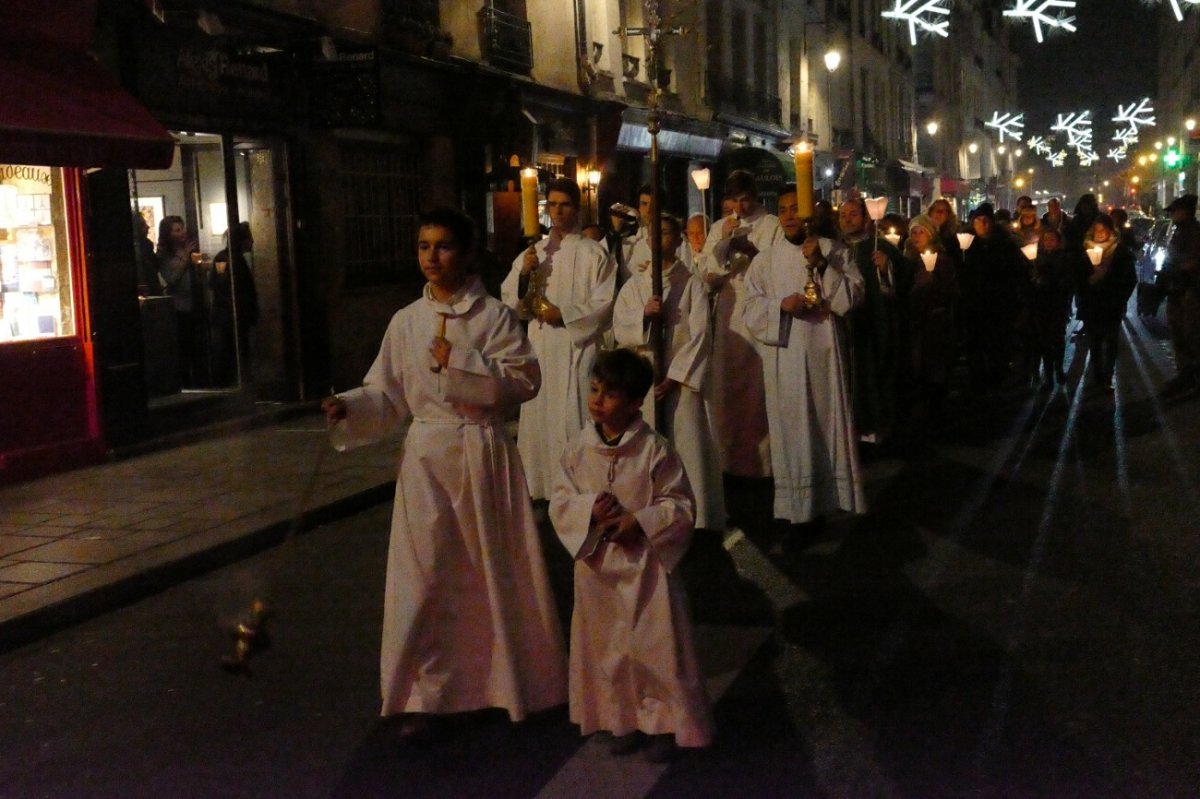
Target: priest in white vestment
578,278
814,455
686,408
739,402
622,507
469,618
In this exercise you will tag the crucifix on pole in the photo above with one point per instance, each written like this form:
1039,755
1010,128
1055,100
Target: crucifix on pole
654,32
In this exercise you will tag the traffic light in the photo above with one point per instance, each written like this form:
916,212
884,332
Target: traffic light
1171,158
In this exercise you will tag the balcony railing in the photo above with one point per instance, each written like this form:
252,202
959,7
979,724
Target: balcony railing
508,40
725,96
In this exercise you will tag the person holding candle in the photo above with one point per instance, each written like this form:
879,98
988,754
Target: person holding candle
1051,288
578,285
992,271
1106,281
739,404
875,324
801,336
931,303
469,617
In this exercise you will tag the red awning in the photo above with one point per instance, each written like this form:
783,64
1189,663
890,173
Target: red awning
62,108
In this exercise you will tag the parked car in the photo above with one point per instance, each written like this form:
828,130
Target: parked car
1150,262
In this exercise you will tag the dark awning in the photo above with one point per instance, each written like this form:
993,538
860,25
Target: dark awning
62,108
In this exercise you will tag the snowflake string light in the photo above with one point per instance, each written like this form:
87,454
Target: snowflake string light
1039,12
1007,125
1118,154
921,14
1058,158
1078,128
1087,157
1126,136
1176,7
1137,115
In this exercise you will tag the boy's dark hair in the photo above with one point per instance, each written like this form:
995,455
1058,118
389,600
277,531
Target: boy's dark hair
740,181
672,221
625,371
787,188
646,191
567,187
461,226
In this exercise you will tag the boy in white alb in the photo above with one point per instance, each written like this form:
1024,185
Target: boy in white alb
622,507
683,309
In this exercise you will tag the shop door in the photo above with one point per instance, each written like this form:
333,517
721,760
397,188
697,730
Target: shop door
113,305
263,350
214,302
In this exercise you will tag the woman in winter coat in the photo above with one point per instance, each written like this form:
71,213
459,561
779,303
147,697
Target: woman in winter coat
1103,290
931,301
1049,302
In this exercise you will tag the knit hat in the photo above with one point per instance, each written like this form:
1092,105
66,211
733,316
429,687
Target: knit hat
985,209
1187,203
924,222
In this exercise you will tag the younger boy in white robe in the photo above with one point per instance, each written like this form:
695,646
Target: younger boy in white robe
623,507
684,399
469,621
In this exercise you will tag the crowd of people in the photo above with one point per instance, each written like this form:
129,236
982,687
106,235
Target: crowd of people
786,341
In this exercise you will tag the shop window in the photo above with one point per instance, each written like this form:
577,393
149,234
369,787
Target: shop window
380,186
36,299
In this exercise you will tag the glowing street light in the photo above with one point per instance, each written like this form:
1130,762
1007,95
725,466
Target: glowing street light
972,148
931,127
833,59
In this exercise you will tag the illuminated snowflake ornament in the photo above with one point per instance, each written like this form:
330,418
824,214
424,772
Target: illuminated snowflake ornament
922,14
1039,11
1078,128
1039,145
1010,125
1126,136
1087,157
1058,158
1177,6
1136,115
1118,154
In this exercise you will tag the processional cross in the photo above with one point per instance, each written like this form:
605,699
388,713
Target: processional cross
654,32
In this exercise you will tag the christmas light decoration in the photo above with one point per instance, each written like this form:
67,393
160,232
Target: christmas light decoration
1137,115
1039,12
1039,145
1127,136
1118,154
917,13
1007,125
1058,158
1177,8
1078,128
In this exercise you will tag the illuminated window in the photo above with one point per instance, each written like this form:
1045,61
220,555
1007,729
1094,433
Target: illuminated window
35,274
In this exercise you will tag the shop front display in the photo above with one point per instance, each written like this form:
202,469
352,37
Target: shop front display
35,276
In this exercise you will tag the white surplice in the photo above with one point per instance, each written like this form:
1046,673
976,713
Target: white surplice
814,455
640,256
579,278
469,618
738,399
633,664
689,422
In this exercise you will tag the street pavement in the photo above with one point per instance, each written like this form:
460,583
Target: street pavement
1016,617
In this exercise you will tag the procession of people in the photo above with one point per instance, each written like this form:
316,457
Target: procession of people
788,346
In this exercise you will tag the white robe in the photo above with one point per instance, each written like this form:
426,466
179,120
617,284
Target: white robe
469,618
640,255
633,664
814,455
738,399
579,280
688,423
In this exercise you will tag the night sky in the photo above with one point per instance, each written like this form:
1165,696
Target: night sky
1110,60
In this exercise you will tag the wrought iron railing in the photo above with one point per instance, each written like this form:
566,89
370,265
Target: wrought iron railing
508,40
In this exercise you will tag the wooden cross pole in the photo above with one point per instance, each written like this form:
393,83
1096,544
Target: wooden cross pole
654,32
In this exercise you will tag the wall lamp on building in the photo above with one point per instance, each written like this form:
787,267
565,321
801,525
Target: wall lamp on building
833,59
972,148
931,127
589,182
